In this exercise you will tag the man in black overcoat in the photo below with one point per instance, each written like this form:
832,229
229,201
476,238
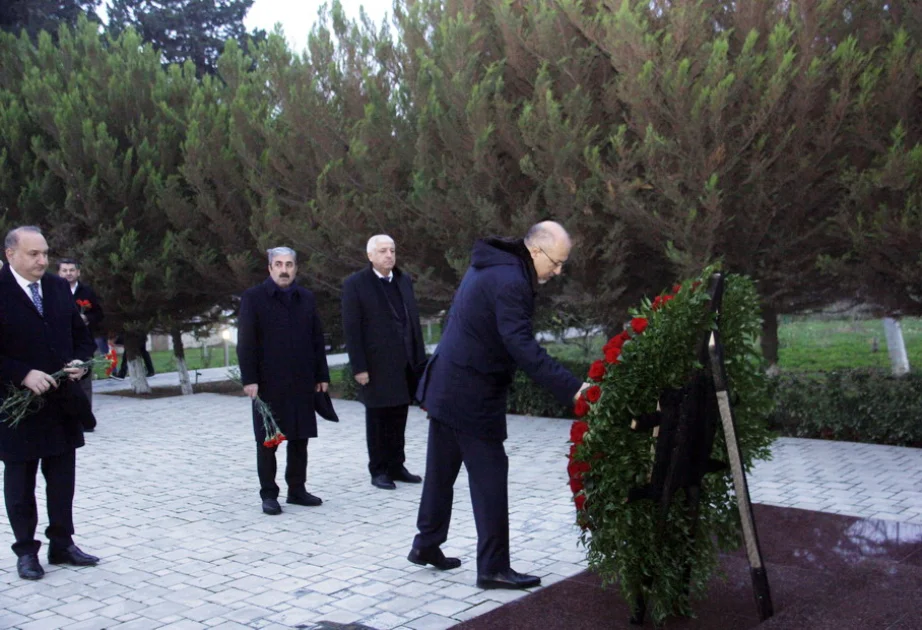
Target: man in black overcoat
90,312
280,348
40,333
386,351
488,335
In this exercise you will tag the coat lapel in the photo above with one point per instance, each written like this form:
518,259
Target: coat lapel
7,279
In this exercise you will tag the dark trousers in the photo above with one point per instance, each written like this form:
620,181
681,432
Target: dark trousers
295,469
145,356
19,493
86,384
488,475
384,430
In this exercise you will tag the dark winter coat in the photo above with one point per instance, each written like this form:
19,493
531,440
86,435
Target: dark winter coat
94,314
280,347
488,334
375,341
29,341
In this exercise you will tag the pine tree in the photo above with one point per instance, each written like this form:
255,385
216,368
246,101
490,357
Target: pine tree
193,30
35,16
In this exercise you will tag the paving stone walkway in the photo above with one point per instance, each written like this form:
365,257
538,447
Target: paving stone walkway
167,495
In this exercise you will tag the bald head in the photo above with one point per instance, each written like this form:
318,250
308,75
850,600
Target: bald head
549,245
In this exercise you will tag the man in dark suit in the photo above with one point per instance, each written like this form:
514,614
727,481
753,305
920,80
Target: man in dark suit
386,351
40,333
283,360
90,312
487,336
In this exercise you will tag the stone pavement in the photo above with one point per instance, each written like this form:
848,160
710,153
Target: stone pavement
167,496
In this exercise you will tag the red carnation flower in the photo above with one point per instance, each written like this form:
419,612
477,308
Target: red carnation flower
576,485
581,408
676,288
580,501
597,371
577,431
639,324
612,354
576,468
594,393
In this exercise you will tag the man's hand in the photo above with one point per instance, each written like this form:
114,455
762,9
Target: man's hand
38,382
581,390
362,378
321,387
251,390
83,317
75,373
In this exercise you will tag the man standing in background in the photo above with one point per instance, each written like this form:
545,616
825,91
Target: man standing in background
282,356
387,354
91,313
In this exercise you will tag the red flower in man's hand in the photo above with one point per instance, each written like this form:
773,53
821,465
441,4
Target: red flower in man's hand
594,393
597,371
639,324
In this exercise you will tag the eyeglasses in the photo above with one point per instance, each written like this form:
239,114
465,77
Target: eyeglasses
557,263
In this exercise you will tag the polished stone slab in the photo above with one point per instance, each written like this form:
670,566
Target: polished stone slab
826,571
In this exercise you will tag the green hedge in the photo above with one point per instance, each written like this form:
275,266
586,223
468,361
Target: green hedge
863,405
529,399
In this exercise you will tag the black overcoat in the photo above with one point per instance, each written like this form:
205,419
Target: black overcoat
280,347
487,336
94,314
29,341
374,338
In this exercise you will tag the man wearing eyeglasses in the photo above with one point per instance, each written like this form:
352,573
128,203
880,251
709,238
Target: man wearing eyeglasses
488,335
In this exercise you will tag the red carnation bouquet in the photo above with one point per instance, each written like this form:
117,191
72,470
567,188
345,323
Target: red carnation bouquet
84,305
274,435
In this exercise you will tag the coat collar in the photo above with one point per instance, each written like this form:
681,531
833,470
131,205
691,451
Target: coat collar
274,289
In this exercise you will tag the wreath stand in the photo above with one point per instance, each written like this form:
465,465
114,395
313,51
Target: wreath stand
684,426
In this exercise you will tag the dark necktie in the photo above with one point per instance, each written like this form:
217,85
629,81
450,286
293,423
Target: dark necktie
386,280
37,298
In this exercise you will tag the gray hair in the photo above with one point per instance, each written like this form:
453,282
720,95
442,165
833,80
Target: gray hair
281,251
374,239
12,237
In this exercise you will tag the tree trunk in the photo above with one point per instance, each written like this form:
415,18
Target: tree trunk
899,361
770,336
179,351
137,372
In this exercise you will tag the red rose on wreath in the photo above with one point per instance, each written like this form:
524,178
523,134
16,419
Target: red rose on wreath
597,371
580,501
581,408
594,393
639,324
575,485
676,288
612,354
577,431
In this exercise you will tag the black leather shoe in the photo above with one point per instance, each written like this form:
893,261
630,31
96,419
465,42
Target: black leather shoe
508,579
433,556
271,507
71,555
406,476
29,567
384,482
303,498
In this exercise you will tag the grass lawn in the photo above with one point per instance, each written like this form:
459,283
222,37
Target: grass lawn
807,344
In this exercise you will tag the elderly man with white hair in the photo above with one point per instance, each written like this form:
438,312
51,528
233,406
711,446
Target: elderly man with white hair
386,351
283,360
